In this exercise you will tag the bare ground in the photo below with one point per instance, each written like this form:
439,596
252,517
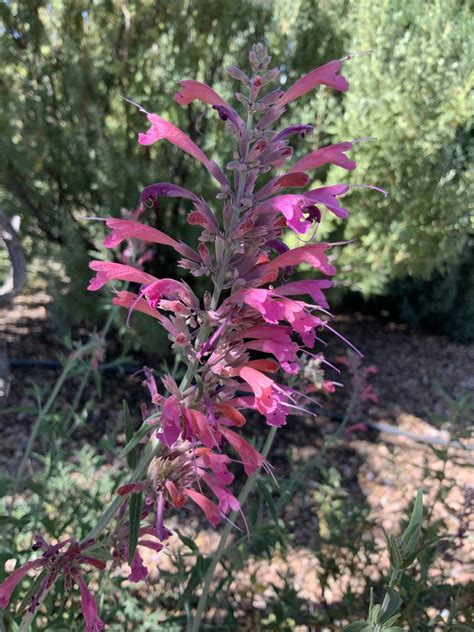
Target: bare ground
382,470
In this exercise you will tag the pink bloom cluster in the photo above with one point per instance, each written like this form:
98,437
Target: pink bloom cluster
59,560
239,340
255,326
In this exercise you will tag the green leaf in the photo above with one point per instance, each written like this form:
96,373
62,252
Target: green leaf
359,626
132,457
396,558
16,522
189,542
101,553
408,560
262,486
30,593
137,437
195,578
134,512
374,613
393,606
411,534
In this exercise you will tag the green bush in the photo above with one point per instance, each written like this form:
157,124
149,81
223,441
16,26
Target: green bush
413,95
71,150
444,303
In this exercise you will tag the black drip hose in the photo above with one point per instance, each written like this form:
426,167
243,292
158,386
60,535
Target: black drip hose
55,364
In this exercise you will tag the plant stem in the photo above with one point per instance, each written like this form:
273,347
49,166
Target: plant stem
153,444
246,489
316,460
149,453
68,367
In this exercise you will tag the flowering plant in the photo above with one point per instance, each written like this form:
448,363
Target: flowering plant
236,339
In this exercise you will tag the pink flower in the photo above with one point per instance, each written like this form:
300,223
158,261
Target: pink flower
262,387
195,90
108,271
327,197
334,154
241,335
9,585
160,128
199,426
218,463
262,301
324,75
230,413
209,508
288,180
291,207
312,255
226,501
138,571
170,421
251,458
63,559
89,608
130,299
312,287
125,229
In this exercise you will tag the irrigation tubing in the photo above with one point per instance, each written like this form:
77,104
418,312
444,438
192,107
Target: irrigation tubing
129,369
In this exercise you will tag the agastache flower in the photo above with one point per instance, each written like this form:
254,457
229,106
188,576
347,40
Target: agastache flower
221,337
65,560
252,327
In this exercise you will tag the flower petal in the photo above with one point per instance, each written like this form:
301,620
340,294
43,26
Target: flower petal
312,254
110,271
192,90
89,607
210,509
251,458
123,229
333,154
324,75
160,128
9,585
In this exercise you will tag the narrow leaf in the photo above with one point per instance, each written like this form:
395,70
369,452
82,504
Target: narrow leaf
137,437
132,457
195,578
394,603
268,499
411,534
358,626
189,542
135,509
395,554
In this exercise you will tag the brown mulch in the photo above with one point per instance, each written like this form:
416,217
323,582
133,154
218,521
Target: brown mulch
380,469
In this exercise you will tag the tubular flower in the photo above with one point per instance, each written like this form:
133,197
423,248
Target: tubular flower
59,560
243,337
241,250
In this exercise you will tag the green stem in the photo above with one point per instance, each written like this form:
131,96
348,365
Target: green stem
151,450
246,489
316,460
30,615
68,367
395,578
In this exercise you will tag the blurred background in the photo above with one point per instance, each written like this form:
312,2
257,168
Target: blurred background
69,151
405,297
